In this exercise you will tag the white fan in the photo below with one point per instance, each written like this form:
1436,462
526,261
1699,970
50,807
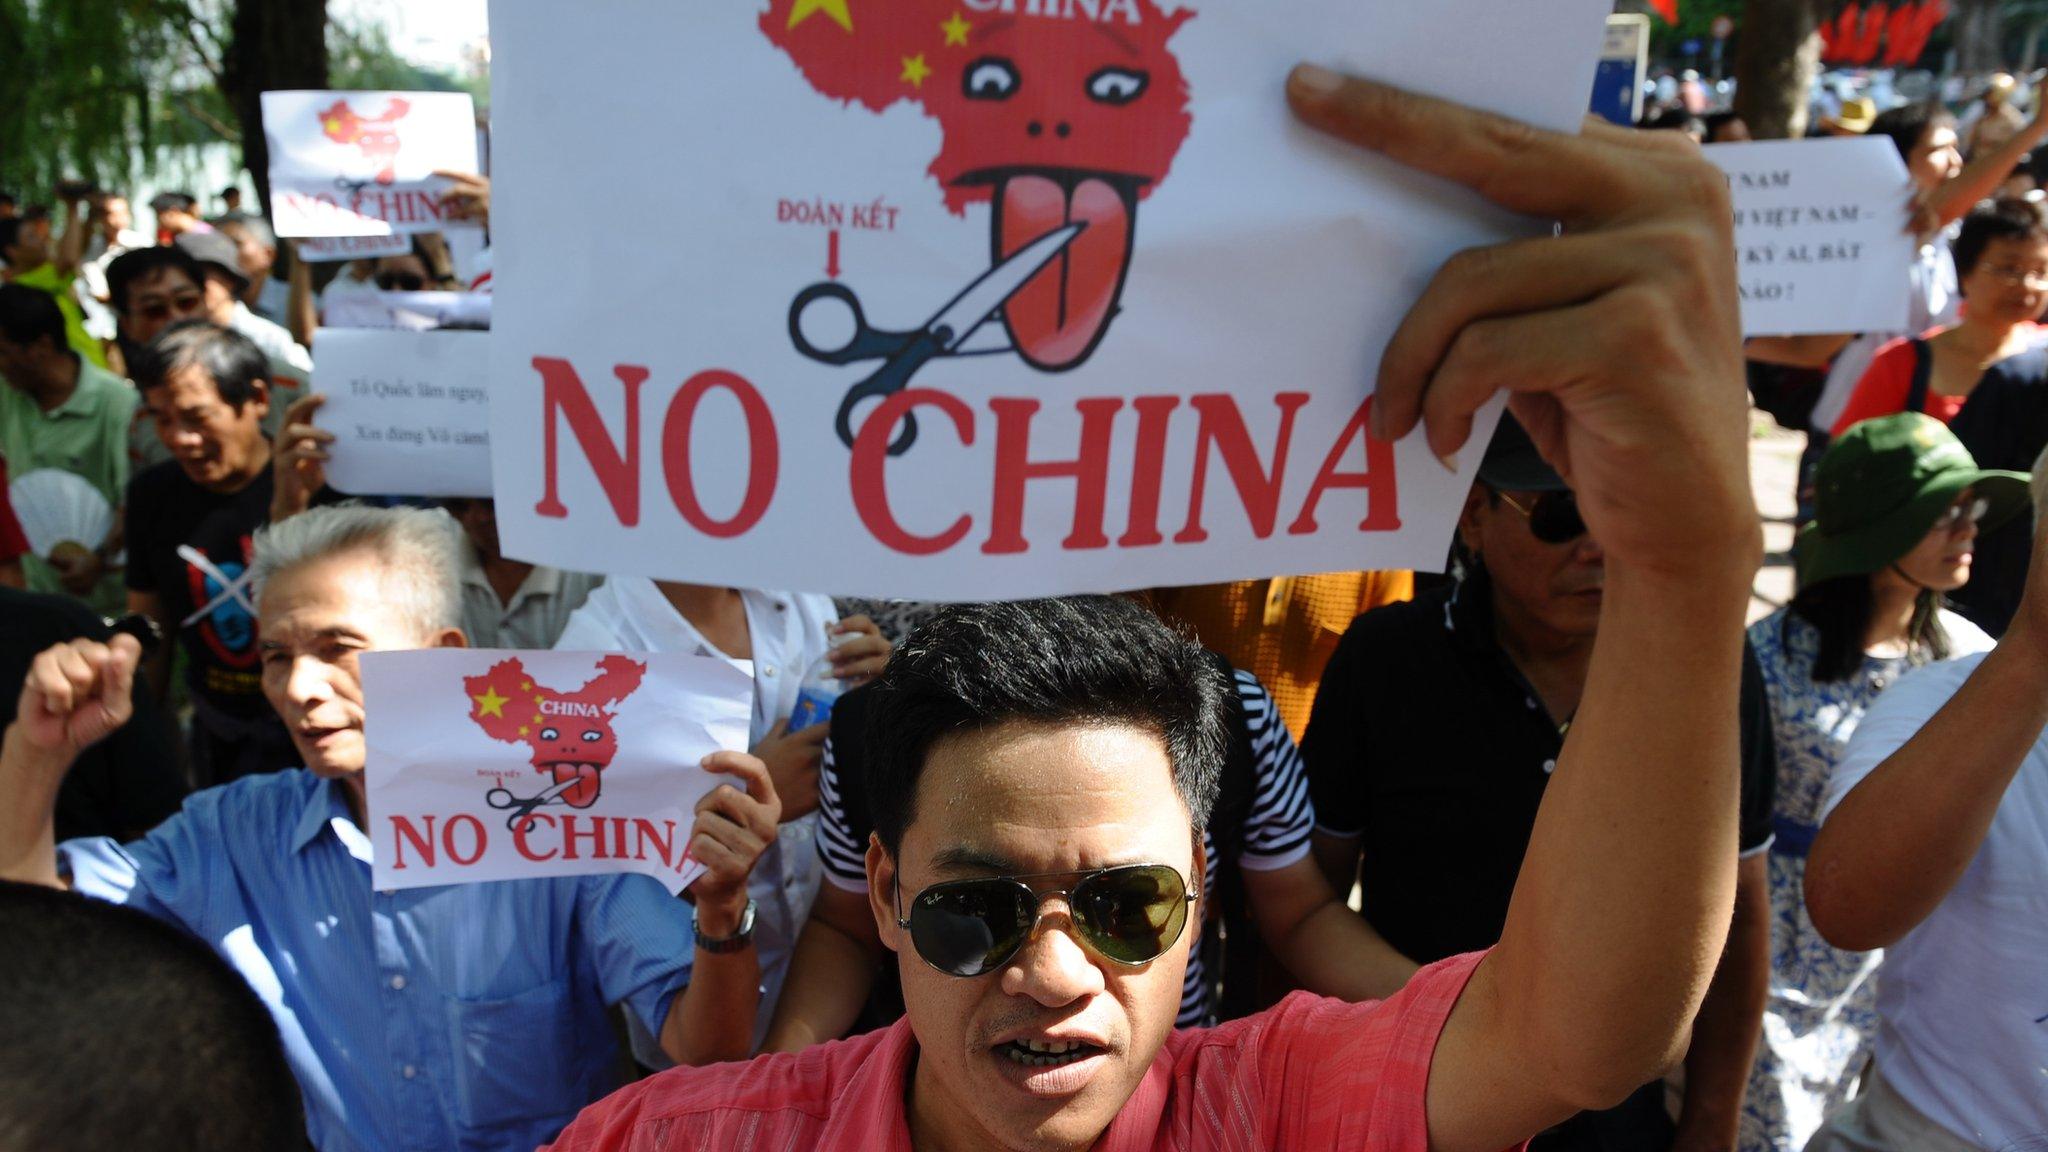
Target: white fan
58,508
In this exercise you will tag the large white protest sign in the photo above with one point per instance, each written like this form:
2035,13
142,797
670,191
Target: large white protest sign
1820,234
363,163
501,765
410,411
975,298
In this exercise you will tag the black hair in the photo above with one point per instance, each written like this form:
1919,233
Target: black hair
1840,610
1716,121
10,230
1997,220
141,263
30,314
123,1032
1082,660
1908,124
7,199
232,360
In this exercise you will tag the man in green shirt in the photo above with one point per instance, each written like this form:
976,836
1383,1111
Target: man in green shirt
58,410
32,263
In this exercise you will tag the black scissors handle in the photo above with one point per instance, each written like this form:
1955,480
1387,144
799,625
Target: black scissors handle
521,807
866,343
892,377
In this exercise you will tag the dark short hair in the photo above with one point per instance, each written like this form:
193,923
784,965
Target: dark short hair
10,230
123,1032
1996,220
1908,124
173,201
30,314
7,198
141,263
1082,660
232,360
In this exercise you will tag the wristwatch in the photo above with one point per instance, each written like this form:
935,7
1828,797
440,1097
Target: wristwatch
721,945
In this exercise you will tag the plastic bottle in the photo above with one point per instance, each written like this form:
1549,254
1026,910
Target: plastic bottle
819,690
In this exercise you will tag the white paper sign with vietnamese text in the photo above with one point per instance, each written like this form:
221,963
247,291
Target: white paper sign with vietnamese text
490,765
363,163
990,298
333,249
410,411
1820,234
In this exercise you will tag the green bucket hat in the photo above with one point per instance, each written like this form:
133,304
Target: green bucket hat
1882,486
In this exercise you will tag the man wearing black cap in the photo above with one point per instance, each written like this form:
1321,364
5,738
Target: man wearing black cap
291,367
1432,740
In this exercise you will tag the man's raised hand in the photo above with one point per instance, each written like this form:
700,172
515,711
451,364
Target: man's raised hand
1619,340
76,695
734,826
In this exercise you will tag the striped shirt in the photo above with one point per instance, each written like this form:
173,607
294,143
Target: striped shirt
1312,1073
1276,830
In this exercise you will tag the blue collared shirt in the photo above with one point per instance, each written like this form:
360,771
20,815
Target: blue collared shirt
464,1017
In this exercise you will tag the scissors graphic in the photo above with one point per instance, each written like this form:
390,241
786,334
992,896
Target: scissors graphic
522,806
948,333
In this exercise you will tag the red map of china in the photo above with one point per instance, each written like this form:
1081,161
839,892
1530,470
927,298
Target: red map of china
1052,111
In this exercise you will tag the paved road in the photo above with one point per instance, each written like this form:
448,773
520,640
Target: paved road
1773,470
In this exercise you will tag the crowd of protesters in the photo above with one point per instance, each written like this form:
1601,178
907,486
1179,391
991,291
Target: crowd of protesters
1546,848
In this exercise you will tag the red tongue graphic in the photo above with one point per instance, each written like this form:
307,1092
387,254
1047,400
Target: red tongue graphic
584,792
1057,317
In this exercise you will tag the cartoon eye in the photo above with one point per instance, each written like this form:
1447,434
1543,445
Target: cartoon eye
1117,85
550,734
990,78
592,735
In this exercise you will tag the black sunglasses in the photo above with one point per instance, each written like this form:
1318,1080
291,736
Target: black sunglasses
400,281
1128,915
1553,516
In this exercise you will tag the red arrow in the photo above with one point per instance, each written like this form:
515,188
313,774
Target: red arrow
832,256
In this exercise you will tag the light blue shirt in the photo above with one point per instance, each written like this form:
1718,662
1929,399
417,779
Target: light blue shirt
463,1017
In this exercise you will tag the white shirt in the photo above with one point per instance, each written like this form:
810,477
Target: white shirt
1935,300
287,357
628,613
1962,1000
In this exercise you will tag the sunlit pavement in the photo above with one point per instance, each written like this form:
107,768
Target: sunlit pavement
1773,469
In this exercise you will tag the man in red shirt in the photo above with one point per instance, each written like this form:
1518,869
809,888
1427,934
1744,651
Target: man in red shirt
1040,772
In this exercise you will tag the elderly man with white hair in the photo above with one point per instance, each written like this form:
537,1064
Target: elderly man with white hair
465,1017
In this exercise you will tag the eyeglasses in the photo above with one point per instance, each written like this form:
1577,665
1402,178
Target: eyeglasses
1553,517
1970,511
188,304
1128,915
400,281
2029,277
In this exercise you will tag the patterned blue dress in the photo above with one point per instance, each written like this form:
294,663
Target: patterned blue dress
1822,1011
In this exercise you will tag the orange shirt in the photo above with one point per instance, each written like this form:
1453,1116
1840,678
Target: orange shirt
1312,1073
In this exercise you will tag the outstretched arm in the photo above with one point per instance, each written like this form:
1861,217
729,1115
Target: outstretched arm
1621,343
1896,845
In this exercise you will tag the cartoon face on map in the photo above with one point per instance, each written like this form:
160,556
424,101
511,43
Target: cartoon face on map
376,138
1054,112
570,733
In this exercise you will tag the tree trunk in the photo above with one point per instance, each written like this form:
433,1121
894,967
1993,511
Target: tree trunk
1776,64
275,45
1980,29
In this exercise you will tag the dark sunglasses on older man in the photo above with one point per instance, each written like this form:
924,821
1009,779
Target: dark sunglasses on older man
401,281
1128,915
1553,516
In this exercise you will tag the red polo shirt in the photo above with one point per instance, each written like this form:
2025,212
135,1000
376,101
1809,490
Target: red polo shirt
1313,1074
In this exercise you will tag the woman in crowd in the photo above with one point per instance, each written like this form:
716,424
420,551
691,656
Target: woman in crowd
2001,259
1899,504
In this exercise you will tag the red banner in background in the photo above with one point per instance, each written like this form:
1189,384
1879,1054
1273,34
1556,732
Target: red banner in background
1880,33
1668,9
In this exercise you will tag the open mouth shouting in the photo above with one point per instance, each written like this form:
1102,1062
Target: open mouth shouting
1051,1066
1058,317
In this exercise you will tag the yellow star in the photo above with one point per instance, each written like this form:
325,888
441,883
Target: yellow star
956,31
803,10
526,685
536,717
915,70
490,703
524,731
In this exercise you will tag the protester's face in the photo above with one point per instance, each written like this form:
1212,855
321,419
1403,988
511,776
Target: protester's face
1731,131
1937,159
220,447
255,258
479,520
158,300
1554,586
220,297
407,273
119,217
26,366
314,621
1942,559
1046,799
2009,283
31,246
175,221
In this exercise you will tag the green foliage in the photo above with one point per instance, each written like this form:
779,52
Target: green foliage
362,58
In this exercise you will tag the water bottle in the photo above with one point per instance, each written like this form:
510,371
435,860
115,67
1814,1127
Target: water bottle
819,690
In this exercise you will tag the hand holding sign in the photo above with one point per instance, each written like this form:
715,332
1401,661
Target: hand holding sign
734,826
299,459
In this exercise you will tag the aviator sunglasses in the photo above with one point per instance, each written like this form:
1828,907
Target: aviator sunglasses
1128,915
1553,516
